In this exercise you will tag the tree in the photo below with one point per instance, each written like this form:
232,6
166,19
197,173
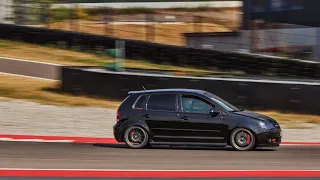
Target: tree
31,11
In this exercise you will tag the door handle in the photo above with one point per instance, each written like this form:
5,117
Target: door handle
146,116
185,118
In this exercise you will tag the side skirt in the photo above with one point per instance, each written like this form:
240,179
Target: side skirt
189,144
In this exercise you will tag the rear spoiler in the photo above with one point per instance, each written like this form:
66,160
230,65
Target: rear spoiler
134,92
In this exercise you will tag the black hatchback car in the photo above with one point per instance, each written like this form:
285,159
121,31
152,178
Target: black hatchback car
191,117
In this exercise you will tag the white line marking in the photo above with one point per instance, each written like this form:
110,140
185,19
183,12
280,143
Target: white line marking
278,57
206,78
31,61
29,76
30,169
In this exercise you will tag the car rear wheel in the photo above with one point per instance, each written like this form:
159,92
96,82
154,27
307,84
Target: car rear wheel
242,139
136,137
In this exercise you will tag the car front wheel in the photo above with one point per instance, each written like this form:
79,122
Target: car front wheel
242,139
136,137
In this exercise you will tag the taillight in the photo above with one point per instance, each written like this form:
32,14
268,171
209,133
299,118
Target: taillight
118,115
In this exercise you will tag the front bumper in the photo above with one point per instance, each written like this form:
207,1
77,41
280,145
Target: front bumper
269,138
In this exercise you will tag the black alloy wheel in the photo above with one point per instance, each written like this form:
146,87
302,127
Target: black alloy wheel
136,137
242,139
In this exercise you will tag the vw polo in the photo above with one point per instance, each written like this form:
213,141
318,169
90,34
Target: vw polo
191,117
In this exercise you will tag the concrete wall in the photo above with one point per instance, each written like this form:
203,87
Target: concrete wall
220,43
267,38
290,96
5,10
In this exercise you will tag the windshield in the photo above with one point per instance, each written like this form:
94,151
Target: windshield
224,104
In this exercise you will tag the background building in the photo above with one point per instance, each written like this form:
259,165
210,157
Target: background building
286,28
6,10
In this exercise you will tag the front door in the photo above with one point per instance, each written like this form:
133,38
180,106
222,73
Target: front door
197,125
161,115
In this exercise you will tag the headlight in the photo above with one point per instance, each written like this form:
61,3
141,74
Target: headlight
266,125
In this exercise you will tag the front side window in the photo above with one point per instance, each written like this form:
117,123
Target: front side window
162,102
194,104
224,104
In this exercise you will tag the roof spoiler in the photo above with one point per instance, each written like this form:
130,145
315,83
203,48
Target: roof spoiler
133,92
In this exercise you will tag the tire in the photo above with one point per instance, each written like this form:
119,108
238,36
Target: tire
136,137
242,139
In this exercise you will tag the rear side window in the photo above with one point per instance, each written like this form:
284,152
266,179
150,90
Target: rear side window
140,104
162,102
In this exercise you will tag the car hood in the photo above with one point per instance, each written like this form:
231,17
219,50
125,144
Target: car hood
256,116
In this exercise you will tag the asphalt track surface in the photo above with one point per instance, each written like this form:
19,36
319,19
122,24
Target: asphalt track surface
30,68
117,156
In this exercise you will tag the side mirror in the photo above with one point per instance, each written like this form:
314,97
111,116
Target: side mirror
213,112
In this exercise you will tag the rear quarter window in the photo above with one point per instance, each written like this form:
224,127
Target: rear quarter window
140,102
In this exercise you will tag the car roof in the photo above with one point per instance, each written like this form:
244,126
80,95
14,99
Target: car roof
196,91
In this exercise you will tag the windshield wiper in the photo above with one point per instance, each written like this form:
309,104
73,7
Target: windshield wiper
237,110
234,111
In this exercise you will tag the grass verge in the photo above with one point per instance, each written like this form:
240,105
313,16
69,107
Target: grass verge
292,120
40,91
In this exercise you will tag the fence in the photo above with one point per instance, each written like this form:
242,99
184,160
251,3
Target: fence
161,26
168,26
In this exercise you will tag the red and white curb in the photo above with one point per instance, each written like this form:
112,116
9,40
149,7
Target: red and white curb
58,139
70,139
156,173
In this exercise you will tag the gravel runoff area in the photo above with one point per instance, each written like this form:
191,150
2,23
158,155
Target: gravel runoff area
29,118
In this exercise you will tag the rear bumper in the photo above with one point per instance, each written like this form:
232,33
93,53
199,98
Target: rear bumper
269,138
117,133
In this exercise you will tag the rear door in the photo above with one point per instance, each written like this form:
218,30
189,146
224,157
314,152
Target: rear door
161,115
197,125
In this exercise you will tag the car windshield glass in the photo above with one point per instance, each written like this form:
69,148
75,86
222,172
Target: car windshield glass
224,104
